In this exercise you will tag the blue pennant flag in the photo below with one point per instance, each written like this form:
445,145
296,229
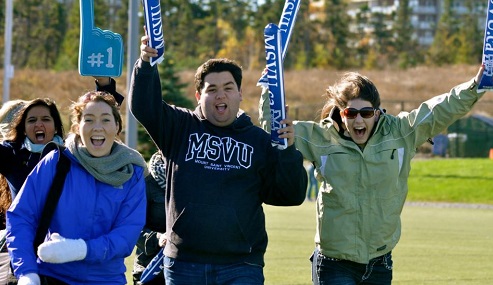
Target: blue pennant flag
275,77
153,268
154,28
286,25
486,81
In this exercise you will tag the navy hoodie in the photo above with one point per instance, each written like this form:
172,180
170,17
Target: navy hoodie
217,177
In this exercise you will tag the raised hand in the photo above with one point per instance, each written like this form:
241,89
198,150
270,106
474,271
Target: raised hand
147,52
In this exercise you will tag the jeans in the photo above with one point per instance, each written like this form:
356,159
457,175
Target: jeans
326,270
181,272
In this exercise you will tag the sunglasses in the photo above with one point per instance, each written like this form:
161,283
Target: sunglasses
366,112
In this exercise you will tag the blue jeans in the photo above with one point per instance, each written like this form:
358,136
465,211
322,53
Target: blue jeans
181,272
326,270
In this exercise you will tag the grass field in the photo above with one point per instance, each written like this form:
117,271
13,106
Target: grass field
452,180
439,245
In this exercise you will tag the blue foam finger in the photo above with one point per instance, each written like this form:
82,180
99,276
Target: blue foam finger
100,51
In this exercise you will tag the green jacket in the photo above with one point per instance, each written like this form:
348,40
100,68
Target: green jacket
363,192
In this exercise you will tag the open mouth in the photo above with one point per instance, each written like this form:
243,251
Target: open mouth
221,107
359,131
97,140
40,136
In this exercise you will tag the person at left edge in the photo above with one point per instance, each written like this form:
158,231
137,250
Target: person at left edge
101,210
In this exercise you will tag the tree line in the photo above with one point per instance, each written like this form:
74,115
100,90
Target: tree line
46,34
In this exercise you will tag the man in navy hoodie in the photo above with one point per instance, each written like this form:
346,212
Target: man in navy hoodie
220,170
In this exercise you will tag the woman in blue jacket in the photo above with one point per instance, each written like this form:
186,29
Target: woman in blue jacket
101,209
25,131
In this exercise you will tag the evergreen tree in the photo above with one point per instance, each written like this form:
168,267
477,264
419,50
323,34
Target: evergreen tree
406,47
48,33
383,47
120,26
470,38
445,44
336,36
362,38
239,23
37,32
269,12
208,33
182,22
301,48
69,55
171,86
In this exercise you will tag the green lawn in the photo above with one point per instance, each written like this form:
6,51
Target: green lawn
452,180
438,245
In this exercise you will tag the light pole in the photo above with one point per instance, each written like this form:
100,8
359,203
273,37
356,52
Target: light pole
8,68
132,55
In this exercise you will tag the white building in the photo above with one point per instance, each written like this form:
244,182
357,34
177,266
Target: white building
425,14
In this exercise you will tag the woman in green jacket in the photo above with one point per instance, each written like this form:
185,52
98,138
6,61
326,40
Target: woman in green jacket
363,159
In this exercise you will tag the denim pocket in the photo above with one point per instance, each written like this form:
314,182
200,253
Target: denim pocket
387,261
168,262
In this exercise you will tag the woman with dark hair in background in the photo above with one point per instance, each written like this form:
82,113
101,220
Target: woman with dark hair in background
37,123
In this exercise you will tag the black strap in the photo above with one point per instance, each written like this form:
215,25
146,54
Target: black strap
62,168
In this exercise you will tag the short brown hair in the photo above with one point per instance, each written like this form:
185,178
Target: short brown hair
95,96
218,65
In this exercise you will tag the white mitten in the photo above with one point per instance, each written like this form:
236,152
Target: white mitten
61,250
29,279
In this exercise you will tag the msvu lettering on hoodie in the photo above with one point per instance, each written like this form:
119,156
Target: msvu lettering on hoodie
219,153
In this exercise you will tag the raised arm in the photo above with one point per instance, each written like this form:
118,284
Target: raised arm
108,84
145,94
437,113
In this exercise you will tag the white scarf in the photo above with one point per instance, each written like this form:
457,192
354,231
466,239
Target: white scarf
38,148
